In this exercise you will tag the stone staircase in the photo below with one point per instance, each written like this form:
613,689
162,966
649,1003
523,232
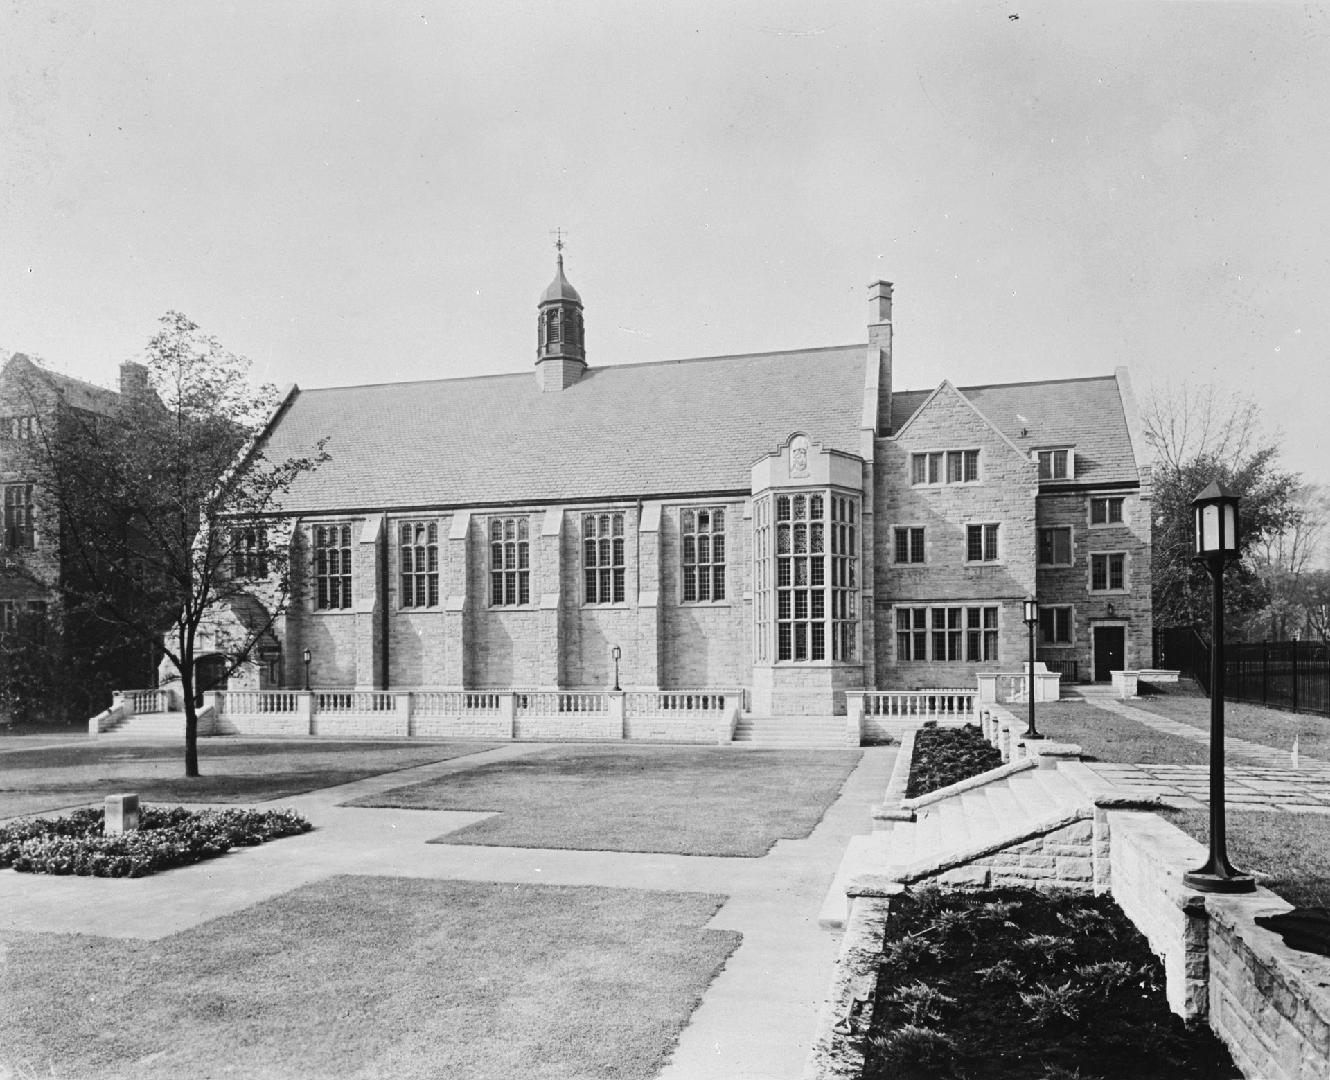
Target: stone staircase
156,725
791,732
1017,824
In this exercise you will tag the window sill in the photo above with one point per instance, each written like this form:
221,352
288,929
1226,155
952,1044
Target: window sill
976,565
706,603
1109,592
1055,566
349,610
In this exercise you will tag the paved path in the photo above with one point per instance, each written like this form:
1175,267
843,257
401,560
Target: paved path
1256,776
756,1019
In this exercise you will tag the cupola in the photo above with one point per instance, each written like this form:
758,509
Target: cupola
560,348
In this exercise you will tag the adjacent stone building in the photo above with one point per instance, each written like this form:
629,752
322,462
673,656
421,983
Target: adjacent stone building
787,523
35,404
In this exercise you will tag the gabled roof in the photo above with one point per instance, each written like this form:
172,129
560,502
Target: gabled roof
674,428
1087,414
75,392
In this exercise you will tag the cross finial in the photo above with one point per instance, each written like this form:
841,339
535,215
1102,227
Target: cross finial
558,241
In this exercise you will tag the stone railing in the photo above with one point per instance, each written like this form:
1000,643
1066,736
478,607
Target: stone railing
1011,686
258,701
137,702
876,714
702,715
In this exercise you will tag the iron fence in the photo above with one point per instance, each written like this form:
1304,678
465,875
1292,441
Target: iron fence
1292,675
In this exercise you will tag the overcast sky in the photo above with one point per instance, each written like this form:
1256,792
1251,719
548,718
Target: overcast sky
365,192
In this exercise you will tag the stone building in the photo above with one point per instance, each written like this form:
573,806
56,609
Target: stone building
787,523
34,404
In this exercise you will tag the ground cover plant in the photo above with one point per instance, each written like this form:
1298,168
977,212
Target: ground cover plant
682,800
1288,853
36,779
362,978
166,837
1020,985
944,756
1108,736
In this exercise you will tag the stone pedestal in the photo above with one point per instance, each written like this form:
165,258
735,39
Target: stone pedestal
122,814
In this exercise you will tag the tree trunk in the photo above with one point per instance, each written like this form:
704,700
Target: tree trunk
191,713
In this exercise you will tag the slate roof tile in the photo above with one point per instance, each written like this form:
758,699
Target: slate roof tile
1086,414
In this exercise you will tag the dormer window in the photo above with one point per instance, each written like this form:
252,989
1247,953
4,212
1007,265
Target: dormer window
1057,464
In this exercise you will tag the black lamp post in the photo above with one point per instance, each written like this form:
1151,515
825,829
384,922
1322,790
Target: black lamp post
1030,608
616,652
308,657
1215,543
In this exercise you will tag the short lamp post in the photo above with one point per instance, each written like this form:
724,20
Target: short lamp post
1030,609
308,657
1216,543
616,652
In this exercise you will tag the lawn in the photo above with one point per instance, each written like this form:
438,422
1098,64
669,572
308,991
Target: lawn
42,779
1270,727
682,800
1106,736
359,977
1288,853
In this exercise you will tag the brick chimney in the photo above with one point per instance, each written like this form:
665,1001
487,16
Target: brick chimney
134,380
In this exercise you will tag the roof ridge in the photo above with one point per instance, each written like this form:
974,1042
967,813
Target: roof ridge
593,368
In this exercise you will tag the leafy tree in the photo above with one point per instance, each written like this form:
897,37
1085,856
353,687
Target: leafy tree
164,509
1199,435
1286,557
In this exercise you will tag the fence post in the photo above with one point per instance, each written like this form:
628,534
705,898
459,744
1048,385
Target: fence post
1295,676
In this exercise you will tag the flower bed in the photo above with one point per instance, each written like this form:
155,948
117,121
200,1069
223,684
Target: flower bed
166,837
1023,985
945,756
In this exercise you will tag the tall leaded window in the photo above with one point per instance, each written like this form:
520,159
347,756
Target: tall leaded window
249,553
702,532
19,533
332,567
844,577
763,593
602,558
816,571
419,556
1108,571
510,561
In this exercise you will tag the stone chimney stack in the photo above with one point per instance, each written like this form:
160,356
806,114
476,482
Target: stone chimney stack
134,380
879,347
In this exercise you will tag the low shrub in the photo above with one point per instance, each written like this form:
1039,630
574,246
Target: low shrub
1020,985
166,837
945,756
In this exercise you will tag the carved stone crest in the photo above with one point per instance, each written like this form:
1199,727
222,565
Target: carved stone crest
799,456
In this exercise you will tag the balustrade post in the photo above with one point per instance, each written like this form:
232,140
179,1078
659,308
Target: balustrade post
305,710
618,712
507,714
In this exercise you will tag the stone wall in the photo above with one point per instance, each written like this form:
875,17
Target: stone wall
1269,1003
1004,494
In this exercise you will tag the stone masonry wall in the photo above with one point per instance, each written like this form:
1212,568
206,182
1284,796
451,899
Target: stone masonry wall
707,644
1071,584
1061,859
1004,494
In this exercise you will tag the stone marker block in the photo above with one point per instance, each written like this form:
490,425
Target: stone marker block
122,814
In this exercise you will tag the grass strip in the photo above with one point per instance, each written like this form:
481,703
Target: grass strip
360,978
1288,853
1269,727
52,778
1107,736
680,800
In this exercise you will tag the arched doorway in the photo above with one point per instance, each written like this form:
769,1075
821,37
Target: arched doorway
209,674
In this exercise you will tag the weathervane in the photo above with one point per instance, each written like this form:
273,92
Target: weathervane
558,241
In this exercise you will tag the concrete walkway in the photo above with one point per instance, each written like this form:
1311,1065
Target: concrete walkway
756,1019
1256,776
